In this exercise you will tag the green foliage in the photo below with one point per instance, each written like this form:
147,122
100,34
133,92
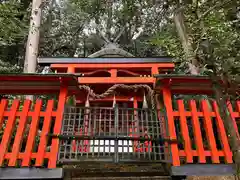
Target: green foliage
14,17
69,29
72,28
13,26
168,39
8,68
214,37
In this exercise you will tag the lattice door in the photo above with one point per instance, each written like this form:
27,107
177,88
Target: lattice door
111,134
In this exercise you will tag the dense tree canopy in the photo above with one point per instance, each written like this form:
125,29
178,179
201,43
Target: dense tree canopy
13,29
149,28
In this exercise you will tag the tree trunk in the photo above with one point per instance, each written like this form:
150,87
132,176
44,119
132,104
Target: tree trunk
194,68
186,42
30,62
233,137
109,20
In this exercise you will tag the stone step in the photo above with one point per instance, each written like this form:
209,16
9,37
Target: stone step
122,178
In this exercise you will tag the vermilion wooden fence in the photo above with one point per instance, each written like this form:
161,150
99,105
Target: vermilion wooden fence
24,133
200,131
197,127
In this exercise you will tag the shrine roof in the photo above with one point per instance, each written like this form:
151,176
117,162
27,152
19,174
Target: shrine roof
187,84
29,83
106,60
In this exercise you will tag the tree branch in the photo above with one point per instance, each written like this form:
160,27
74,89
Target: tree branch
212,8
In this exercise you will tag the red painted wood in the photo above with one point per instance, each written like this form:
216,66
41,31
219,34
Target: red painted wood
238,109
115,80
209,131
71,70
233,116
45,130
19,134
155,70
222,135
171,126
197,132
3,106
207,153
113,72
117,66
57,126
184,131
22,154
32,133
30,113
8,130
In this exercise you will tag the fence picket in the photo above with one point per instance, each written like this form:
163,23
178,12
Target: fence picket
57,127
32,133
171,126
19,134
3,106
197,132
238,109
45,130
8,130
209,131
222,135
185,133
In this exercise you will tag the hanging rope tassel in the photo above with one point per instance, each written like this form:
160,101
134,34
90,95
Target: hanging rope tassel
114,101
145,105
87,104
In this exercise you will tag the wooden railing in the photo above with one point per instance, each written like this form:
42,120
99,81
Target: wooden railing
200,131
24,133
198,128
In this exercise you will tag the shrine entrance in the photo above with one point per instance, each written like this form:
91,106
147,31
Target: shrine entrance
112,135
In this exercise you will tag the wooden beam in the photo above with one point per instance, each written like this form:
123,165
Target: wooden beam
116,80
118,98
124,66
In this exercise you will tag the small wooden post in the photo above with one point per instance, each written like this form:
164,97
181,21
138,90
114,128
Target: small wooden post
8,130
71,69
58,124
197,132
20,132
171,126
185,132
